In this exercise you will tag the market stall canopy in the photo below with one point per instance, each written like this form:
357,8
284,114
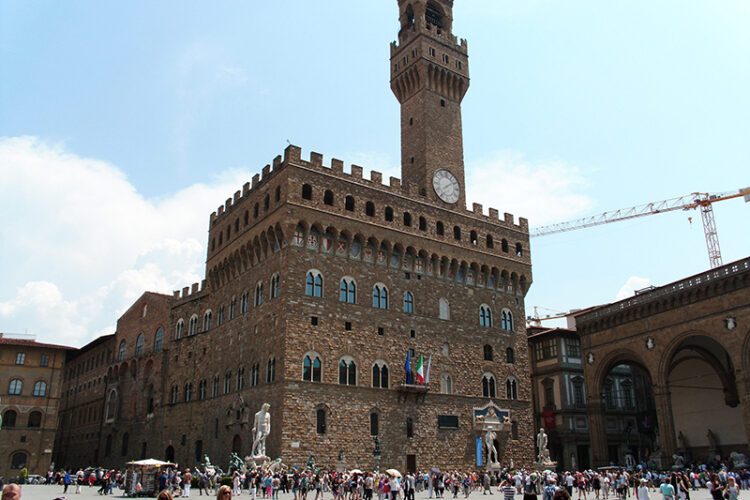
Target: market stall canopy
151,462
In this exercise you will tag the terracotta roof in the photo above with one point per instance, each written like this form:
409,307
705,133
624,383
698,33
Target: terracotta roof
29,343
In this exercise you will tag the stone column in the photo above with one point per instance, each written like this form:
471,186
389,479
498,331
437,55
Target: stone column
597,431
743,388
667,435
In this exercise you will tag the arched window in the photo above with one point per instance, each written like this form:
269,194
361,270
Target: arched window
380,296
278,193
511,388
519,250
456,233
510,356
15,386
485,316
246,218
320,421
314,284
374,428
444,311
18,461
347,372
490,241
388,214
506,320
266,202
232,307
433,15
380,375
159,339
348,290
369,209
259,294
113,402
487,352
244,302
349,203
125,441
271,370
439,228
409,427
40,389
274,286
408,302
256,210
311,368
328,197
446,384
139,344
488,386
9,418
504,245
422,224
407,219
121,350
207,320
306,192
173,394
473,238
193,325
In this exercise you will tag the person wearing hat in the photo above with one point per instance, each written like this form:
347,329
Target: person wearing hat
642,491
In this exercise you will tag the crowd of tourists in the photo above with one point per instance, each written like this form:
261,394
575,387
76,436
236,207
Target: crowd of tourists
307,484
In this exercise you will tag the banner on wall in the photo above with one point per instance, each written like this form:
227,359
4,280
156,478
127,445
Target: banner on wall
549,419
479,452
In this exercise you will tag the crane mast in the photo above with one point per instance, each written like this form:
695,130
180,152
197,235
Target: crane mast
702,201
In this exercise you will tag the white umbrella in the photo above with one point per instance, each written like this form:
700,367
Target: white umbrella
355,471
393,472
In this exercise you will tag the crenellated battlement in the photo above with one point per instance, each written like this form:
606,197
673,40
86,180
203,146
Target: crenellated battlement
190,292
293,156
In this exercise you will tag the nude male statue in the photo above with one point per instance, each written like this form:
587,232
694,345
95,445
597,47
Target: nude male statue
261,429
541,442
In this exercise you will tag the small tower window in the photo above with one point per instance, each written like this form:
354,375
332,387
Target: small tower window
456,233
407,219
388,214
349,203
422,224
369,209
306,192
439,228
328,197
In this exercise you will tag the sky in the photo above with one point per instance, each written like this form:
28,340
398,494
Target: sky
123,125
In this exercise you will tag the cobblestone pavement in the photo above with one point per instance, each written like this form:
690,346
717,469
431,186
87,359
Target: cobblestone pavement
42,492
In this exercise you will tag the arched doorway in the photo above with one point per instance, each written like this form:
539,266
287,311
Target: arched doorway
706,411
237,444
629,414
169,454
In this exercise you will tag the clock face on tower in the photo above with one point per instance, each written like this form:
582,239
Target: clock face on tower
446,186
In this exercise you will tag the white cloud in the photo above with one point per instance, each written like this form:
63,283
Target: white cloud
80,243
631,285
542,192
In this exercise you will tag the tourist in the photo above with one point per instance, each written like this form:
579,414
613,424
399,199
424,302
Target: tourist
732,490
667,490
12,492
224,493
642,492
188,478
164,494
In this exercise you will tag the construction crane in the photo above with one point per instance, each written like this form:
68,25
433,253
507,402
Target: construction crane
702,201
536,320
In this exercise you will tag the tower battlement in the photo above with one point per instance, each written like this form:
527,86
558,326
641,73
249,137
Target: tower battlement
356,174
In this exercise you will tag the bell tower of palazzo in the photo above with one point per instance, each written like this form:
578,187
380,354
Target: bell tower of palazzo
430,76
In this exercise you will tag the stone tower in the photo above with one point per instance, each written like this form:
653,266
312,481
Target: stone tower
430,76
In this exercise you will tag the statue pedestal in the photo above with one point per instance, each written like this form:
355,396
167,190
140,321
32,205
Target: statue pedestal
544,465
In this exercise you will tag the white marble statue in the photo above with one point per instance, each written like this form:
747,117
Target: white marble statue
261,429
541,443
489,444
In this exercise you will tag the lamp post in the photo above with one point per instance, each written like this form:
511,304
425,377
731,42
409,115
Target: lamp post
376,453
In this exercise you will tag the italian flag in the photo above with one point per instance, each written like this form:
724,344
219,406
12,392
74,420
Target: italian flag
420,371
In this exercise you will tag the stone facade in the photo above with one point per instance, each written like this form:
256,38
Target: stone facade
31,373
82,402
318,283
692,341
